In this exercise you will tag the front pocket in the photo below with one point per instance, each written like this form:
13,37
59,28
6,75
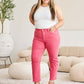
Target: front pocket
37,33
54,31
51,32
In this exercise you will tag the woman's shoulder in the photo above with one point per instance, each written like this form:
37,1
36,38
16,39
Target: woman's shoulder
57,8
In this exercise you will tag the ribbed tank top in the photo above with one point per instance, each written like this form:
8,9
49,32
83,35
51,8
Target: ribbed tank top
42,18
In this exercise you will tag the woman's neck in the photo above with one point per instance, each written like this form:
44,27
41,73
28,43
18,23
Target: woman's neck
44,4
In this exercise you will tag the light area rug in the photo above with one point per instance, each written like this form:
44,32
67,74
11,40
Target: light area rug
62,78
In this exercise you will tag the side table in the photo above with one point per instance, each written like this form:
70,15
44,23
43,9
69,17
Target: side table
5,58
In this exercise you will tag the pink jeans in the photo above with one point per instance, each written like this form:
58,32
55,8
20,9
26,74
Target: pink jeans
44,38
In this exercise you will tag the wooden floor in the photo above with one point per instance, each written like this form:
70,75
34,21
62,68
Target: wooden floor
3,66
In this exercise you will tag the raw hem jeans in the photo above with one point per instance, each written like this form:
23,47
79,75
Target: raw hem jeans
44,38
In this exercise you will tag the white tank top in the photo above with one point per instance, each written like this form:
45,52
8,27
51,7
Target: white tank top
42,18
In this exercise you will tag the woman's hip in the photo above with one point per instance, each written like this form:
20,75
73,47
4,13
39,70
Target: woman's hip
46,34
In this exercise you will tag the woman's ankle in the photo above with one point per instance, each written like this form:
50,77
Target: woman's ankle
36,82
51,80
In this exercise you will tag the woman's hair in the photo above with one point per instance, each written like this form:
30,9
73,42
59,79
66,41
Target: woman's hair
51,7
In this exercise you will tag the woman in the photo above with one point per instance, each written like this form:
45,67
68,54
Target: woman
46,36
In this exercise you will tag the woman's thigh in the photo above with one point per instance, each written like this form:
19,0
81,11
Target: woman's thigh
53,43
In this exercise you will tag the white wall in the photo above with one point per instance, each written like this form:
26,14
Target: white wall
73,14
22,30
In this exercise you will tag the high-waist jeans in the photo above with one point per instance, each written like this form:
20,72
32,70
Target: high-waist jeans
44,38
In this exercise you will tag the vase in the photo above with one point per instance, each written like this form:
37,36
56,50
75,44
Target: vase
6,44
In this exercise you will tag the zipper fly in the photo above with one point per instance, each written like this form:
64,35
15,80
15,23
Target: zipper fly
43,32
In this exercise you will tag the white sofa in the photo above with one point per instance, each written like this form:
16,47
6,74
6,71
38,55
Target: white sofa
68,57
65,74
25,55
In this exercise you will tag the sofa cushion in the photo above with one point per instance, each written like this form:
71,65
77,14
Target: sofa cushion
20,60
77,72
24,53
23,70
26,59
65,63
71,51
44,54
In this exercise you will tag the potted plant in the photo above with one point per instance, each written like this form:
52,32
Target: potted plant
6,41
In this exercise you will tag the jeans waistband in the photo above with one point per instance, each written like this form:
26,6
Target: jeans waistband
42,29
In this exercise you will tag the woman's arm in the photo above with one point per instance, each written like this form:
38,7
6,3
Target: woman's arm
30,14
59,16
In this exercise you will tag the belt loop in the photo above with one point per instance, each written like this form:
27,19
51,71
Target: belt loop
42,29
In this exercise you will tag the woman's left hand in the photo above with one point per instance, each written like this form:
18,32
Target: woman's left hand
52,29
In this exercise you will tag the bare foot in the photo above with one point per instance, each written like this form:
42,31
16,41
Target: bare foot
36,82
51,82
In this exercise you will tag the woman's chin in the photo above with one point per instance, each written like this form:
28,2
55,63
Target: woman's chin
46,2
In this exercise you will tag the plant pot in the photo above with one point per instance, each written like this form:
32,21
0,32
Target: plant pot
6,44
